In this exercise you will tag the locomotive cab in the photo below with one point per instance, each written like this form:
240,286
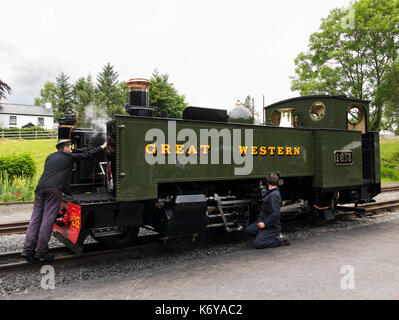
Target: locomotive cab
329,117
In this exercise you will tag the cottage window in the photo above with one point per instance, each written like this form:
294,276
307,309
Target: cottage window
40,121
13,120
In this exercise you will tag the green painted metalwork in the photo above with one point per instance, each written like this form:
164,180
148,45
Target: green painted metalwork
377,157
335,116
138,180
327,173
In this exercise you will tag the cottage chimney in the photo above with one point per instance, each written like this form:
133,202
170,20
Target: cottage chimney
48,105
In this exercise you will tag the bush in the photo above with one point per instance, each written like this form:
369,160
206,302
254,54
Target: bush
390,174
24,129
16,190
14,166
390,160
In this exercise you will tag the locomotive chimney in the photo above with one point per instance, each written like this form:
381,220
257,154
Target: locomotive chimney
138,98
138,92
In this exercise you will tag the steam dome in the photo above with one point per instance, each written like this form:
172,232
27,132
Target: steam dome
240,114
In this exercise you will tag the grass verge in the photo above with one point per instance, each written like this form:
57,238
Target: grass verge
20,189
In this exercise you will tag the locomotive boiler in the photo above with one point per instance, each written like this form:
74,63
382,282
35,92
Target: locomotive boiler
204,172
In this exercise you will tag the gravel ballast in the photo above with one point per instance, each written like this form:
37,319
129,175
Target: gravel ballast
23,282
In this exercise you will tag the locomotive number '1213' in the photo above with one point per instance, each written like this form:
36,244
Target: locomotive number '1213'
343,157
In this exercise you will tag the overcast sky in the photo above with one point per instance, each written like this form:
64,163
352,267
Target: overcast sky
215,52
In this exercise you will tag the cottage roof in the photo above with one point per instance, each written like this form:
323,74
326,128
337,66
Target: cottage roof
25,109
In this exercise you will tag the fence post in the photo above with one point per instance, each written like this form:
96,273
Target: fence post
20,134
35,134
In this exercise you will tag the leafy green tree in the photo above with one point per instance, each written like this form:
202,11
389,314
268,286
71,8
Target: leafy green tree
59,94
351,58
120,100
388,95
164,96
64,94
4,89
49,93
110,94
248,104
83,92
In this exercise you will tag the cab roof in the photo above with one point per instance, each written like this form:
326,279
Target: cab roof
314,97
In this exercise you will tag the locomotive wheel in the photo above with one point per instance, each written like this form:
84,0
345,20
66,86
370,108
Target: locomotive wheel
123,240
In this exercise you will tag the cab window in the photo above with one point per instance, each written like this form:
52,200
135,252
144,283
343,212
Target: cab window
356,118
317,111
283,117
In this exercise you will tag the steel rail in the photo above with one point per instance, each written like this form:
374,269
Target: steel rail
389,188
149,243
375,206
14,227
21,226
93,251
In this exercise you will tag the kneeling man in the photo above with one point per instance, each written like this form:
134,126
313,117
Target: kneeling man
267,228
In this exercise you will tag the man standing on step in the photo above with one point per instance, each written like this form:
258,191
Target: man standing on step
55,181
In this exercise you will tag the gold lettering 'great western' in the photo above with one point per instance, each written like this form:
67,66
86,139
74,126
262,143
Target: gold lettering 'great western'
204,150
270,150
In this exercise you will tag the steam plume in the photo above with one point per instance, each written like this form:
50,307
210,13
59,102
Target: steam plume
95,117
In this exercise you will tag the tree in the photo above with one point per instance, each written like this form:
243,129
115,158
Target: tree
121,97
83,93
248,104
4,89
388,95
110,94
64,94
59,94
351,59
164,96
49,93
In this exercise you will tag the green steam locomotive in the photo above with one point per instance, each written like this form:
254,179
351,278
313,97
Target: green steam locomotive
183,177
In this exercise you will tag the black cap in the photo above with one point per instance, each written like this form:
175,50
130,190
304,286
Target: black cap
63,143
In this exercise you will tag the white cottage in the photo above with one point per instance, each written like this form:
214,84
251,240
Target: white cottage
14,115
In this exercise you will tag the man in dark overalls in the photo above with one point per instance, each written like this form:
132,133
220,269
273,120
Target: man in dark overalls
55,181
267,228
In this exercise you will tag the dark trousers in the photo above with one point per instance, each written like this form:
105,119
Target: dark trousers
264,238
45,209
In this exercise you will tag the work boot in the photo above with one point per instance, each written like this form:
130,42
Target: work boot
29,256
48,256
284,240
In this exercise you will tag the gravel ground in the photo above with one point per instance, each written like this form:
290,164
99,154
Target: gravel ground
23,282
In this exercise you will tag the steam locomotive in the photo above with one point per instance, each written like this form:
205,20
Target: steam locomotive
184,177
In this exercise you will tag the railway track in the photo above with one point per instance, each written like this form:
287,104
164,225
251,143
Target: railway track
366,208
372,207
148,244
93,251
14,227
389,188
